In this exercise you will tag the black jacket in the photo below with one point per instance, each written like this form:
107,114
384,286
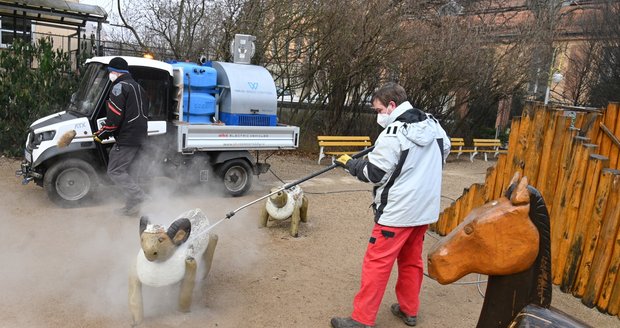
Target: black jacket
127,110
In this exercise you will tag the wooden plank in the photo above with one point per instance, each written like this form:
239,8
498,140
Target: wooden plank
340,138
456,215
344,143
611,114
579,119
457,141
609,283
614,300
524,130
546,153
478,199
433,226
535,143
498,186
590,126
489,181
556,207
469,201
462,209
513,140
441,226
563,149
614,155
517,161
442,219
593,231
570,205
595,164
605,245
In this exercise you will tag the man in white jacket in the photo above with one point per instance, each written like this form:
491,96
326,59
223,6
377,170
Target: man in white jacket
405,167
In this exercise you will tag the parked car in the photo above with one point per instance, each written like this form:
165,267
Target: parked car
286,95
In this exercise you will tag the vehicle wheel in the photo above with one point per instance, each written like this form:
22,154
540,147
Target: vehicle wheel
69,183
237,176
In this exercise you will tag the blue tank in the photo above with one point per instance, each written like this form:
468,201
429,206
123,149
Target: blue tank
199,84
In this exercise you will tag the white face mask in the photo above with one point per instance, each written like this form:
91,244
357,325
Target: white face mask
382,119
112,76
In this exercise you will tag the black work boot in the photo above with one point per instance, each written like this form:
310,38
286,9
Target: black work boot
408,320
347,323
130,209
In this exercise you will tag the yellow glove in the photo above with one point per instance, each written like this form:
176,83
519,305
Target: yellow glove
342,160
96,138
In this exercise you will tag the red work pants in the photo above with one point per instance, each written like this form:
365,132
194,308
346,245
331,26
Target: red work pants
386,245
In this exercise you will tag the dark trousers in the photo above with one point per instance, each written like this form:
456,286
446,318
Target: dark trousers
120,171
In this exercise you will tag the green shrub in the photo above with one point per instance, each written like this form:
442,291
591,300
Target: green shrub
35,81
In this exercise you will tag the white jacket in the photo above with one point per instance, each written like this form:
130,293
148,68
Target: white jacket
405,167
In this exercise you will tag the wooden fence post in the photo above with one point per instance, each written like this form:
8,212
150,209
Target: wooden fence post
605,245
609,290
456,215
546,152
535,139
513,141
614,300
558,208
570,205
478,198
593,232
490,181
614,155
498,184
595,164
590,127
560,147
610,117
516,161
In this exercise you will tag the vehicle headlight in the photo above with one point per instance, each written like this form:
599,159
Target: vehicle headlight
43,136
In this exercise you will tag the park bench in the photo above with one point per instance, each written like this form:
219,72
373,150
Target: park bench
457,147
486,146
339,145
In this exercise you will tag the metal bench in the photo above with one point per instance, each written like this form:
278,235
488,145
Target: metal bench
342,145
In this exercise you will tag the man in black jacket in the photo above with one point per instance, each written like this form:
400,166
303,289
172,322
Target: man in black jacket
126,120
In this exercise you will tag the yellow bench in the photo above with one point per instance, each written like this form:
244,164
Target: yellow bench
456,146
343,145
486,146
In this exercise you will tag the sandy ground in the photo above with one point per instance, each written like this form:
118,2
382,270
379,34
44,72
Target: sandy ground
69,267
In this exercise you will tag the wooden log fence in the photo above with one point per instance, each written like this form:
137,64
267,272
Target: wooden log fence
572,156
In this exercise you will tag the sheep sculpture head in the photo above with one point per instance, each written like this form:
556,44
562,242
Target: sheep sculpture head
169,256
158,244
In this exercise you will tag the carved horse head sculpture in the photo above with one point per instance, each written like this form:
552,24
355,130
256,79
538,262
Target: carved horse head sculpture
507,239
497,238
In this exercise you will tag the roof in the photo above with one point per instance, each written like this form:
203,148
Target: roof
53,11
135,61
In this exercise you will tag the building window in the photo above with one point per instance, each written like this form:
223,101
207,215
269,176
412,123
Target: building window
12,28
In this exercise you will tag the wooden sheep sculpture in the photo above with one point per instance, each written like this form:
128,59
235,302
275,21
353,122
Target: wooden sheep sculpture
288,203
169,256
507,239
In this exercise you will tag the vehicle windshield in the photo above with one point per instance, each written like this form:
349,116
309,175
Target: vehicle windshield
91,88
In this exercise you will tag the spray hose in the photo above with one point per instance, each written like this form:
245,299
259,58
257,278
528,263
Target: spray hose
286,186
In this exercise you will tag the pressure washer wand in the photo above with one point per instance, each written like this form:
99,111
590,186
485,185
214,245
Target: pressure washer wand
287,186
294,183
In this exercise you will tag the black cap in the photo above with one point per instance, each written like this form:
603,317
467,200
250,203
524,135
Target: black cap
118,64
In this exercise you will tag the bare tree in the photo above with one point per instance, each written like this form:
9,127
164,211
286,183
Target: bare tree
182,29
457,59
